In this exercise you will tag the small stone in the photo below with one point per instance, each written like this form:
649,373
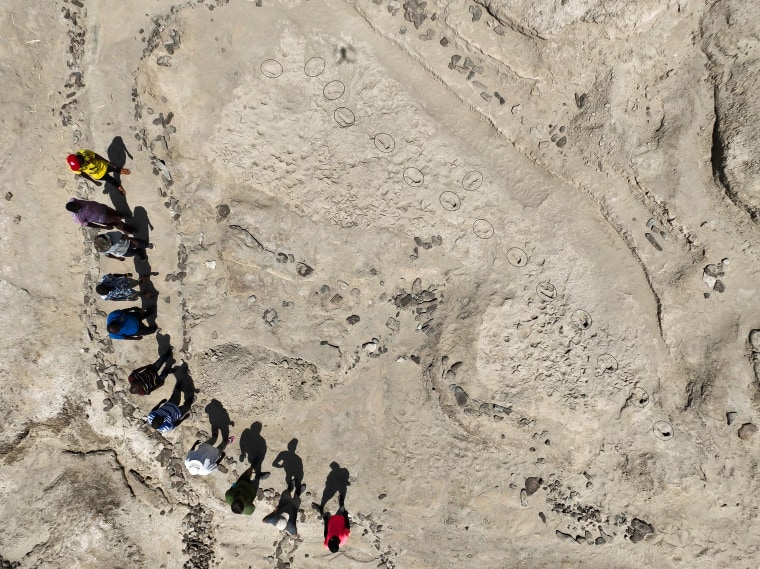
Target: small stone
746,431
444,42
336,299
393,325
640,530
523,498
532,484
353,319
222,211
542,516
754,340
565,536
730,417
325,289
9,196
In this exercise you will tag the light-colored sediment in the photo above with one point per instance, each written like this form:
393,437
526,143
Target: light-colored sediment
538,375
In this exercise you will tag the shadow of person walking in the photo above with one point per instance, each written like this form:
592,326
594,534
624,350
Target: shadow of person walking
117,154
220,420
253,446
185,384
337,483
291,463
142,225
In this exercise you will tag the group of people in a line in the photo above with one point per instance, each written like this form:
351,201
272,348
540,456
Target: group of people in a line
118,242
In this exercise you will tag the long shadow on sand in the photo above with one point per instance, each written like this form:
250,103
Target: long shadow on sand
291,463
253,446
337,483
117,153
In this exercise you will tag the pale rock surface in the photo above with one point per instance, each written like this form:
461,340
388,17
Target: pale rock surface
456,248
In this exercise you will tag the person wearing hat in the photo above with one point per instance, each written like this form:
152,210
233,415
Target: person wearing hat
285,514
242,493
94,167
146,379
117,245
97,215
203,458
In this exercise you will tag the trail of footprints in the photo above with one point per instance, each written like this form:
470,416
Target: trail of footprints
198,539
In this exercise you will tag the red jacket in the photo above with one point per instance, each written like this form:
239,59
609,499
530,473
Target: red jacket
337,525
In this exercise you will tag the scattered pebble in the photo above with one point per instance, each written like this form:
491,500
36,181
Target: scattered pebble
746,431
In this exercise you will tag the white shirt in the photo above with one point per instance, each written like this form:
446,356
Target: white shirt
202,461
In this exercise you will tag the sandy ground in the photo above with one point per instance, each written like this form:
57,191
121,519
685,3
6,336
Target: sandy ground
496,259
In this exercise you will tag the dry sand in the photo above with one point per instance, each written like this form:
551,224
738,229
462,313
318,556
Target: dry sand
457,248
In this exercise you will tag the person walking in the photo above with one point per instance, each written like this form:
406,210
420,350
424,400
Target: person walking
337,527
167,415
97,215
204,458
242,493
117,245
94,167
115,286
127,324
285,515
146,379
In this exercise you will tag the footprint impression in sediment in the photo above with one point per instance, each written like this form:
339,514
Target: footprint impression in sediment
450,201
344,117
663,430
314,67
482,229
581,319
384,142
271,68
472,181
517,257
606,363
639,397
334,90
413,177
546,291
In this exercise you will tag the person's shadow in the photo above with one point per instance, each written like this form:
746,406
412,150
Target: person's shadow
164,345
142,225
117,153
253,446
185,384
337,483
292,463
219,419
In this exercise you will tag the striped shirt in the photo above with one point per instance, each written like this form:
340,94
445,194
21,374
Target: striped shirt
171,414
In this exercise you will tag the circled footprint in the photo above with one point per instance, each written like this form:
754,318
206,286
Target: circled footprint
581,319
517,257
384,142
607,363
314,67
546,291
472,180
450,201
334,90
344,117
663,430
639,397
413,177
271,68
482,228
